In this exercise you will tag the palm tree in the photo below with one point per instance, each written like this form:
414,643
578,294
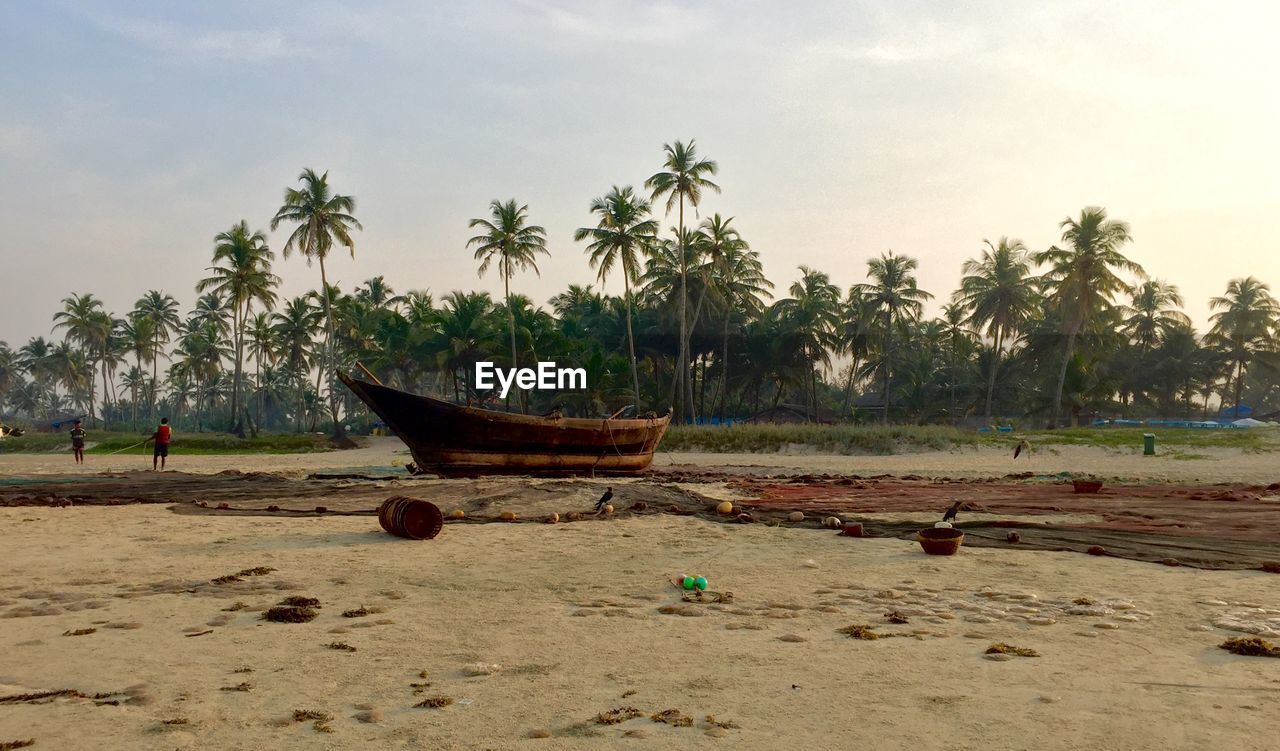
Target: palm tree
515,244
323,219
739,280
999,294
623,233
161,313
377,293
138,335
683,179
893,296
88,325
294,328
261,342
812,314
1246,326
1152,313
10,372
856,334
1082,278
241,275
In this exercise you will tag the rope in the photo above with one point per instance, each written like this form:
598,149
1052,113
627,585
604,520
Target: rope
126,448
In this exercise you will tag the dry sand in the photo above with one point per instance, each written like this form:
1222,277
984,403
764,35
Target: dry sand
570,616
1207,465
563,622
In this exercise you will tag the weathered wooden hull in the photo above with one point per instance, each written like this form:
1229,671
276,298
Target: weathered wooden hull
451,439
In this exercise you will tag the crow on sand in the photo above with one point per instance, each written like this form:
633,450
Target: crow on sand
951,512
1022,446
608,496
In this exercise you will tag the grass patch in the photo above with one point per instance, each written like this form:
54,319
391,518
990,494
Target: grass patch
110,442
897,439
832,439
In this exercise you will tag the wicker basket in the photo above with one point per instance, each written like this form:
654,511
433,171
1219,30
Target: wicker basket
940,540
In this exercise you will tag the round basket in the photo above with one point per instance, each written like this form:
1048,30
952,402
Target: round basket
411,518
940,540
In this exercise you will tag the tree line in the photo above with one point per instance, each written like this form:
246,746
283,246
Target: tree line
1052,335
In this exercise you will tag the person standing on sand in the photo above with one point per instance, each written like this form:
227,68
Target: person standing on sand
161,437
77,442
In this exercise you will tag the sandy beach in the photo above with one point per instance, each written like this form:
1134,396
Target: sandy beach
564,622
1207,465
530,634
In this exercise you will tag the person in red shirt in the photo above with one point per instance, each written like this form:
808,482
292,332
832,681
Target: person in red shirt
161,437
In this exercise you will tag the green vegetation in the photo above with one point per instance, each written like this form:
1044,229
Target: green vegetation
192,443
896,439
1054,336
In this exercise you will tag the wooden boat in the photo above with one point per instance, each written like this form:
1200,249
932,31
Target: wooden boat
451,439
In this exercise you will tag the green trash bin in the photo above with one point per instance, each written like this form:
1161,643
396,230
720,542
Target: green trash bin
1148,444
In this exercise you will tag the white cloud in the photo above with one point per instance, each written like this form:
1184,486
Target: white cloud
246,45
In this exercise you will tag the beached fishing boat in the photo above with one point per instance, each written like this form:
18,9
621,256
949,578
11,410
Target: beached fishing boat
451,439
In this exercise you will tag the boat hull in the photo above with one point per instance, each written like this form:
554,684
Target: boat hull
450,439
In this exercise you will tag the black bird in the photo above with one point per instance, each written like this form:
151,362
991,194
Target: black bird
951,512
608,496
1022,446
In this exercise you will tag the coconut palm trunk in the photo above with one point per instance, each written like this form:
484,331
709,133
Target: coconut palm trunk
631,341
888,365
724,367
991,377
327,358
1062,378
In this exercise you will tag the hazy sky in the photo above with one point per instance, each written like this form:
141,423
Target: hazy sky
133,132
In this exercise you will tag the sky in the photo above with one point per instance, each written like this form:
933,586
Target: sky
131,133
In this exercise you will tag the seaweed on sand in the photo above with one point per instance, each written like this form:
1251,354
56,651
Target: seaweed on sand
859,631
228,579
672,717
300,602
290,614
245,686
1000,648
321,719
10,745
725,724
619,715
341,646
894,616
80,632
435,702
255,571
359,612
38,696
1250,646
